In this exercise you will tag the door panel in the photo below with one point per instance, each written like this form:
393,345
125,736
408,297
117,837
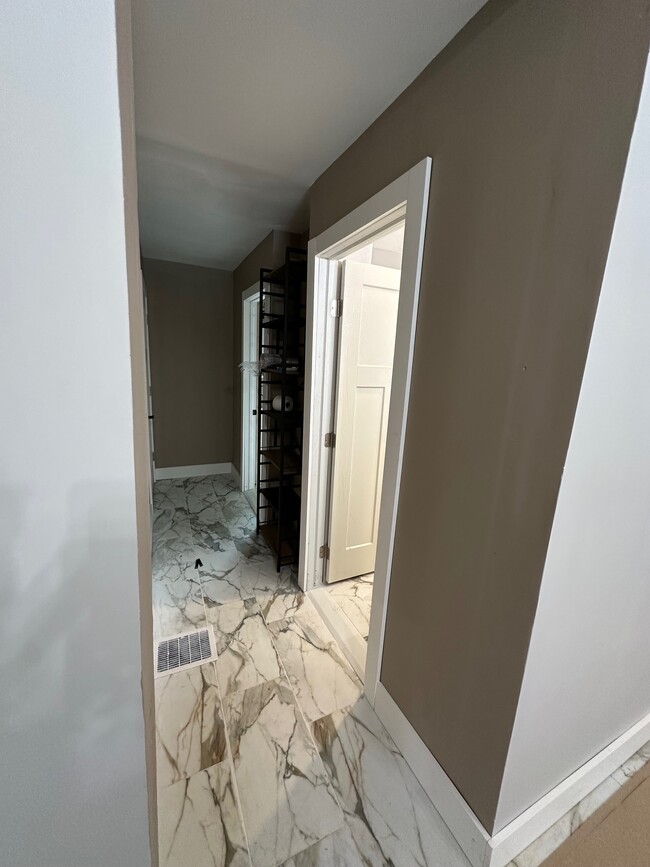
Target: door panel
366,347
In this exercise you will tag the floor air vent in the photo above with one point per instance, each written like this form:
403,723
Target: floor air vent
182,651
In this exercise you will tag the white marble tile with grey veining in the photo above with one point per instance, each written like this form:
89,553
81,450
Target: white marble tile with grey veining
224,484
262,578
287,800
209,526
172,534
321,677
222,574
199,822
252,546
169,494
391,819
284,600
190,733
200,488
335,850
239,516
177,599
246,655
354,598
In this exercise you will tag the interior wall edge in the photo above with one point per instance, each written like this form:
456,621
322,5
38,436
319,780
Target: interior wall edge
527,115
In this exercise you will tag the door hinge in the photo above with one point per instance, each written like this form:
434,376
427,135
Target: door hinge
330,440
336,307
324,552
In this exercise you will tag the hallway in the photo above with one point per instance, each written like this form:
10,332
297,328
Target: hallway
269,755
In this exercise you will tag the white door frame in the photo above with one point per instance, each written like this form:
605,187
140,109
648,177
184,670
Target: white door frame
406,198
147,358
248,472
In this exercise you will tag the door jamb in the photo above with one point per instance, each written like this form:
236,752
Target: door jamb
248,297
408,194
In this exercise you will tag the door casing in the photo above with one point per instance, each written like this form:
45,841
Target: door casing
405,199
250,352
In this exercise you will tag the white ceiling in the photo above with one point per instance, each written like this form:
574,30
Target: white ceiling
242,104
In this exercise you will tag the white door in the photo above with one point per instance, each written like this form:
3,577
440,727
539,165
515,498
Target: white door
370,296
250,340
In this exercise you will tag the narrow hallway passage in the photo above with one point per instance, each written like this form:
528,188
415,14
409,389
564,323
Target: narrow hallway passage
269,755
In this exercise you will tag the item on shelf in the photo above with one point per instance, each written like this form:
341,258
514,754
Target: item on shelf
269,359
277,403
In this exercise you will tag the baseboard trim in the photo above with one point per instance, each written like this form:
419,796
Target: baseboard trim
499,850
349,640
445,797
520,833
192,471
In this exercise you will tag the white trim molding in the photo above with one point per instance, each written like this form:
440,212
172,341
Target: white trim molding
249,352
481,849
350,642
192,471
520,833
405,199
445,797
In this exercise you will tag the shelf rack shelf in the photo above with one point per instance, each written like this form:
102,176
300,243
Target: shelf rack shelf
282,337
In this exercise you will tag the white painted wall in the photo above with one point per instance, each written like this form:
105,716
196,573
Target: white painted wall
587,677
72,752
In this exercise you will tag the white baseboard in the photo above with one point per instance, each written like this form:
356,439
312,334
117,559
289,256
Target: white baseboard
520,833
497,851
445,797
348,639
192,471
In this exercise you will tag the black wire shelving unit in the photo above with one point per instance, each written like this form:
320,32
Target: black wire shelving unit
283,295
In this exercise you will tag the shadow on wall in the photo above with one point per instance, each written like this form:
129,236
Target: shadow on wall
70,686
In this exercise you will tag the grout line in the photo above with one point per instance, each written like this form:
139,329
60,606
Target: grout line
231,767
281,664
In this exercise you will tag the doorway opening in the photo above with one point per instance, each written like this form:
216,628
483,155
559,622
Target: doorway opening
362,308
250,355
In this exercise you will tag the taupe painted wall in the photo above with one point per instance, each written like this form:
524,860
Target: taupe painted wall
191,346
268,254
527,115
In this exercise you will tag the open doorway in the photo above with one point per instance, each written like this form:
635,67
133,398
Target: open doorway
370,278
361,317
250,355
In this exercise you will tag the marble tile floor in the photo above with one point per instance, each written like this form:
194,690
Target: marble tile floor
353,598
269,755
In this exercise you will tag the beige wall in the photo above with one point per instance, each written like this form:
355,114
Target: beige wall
527,115
191,346
268,254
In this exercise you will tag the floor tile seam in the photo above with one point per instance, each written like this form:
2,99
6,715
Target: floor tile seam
211,662
196,545
349,620
223,715
285,678
308,726
332,642
231,767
